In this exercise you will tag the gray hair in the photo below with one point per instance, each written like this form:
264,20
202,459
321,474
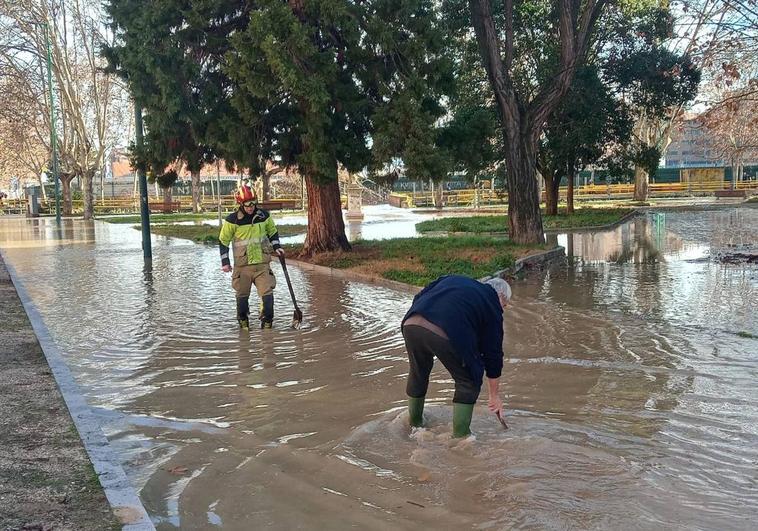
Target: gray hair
500,286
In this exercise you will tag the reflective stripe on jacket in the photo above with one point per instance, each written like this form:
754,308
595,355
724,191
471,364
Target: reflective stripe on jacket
250,236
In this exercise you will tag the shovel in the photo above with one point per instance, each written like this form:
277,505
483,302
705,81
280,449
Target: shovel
502,421
297,316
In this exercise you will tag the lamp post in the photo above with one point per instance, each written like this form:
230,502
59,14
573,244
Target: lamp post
147,246
53,134
218,190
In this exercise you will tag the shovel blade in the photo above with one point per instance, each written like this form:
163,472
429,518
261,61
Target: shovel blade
297,318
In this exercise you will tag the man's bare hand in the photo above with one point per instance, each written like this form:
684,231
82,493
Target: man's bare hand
226,268
496,405
280,251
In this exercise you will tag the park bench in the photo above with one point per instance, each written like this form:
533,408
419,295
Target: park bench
280,204
165,208
731,193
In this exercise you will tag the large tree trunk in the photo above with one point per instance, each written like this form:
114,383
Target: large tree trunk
438,195
66,179
570,192
552,186
89,197
195,191
166,199
524,217
641,181
326,229
42,186
266,186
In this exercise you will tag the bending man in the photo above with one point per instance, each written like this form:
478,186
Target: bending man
460,321
250,230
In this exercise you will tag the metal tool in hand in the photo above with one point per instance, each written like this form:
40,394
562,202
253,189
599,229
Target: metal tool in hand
297,316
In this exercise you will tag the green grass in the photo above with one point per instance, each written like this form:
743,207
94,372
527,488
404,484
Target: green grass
426,258
479,224
209,233
475,224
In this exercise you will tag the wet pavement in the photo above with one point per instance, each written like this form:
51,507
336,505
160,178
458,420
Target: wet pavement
631,393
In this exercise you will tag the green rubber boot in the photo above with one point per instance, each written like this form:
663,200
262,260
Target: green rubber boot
416,411
462,414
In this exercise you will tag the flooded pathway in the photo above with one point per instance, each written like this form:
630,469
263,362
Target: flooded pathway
632,395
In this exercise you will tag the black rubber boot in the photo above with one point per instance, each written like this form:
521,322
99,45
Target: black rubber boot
243,309
267,311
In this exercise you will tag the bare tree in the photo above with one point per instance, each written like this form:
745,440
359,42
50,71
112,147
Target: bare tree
23,151
90,105
731,128
715,34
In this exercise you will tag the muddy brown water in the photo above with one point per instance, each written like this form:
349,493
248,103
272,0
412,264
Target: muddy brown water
632,396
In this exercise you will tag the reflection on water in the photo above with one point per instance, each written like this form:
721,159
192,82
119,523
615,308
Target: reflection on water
632,398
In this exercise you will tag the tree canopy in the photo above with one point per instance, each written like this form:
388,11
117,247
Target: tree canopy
313,85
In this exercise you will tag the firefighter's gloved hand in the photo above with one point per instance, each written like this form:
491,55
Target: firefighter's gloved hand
280,251
226,268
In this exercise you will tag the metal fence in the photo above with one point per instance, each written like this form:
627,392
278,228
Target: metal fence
458,198
472,198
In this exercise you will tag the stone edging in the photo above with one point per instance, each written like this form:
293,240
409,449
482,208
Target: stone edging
527,262
352,275
623,219
122,497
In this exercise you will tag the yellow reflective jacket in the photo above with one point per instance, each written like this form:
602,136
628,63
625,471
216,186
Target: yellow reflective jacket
251,237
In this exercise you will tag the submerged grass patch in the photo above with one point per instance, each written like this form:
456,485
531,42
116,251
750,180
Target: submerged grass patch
585,217
418,261
209,233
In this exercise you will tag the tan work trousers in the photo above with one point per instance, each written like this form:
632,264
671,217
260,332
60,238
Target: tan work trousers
243,277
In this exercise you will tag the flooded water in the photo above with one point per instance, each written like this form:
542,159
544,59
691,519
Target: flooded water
380,222
632,394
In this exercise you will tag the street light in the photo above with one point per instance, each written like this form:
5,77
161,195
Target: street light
53,134
147,247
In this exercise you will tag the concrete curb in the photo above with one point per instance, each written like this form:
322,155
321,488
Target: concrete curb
698,208
623,219
527,262
352,275
537,260
121,495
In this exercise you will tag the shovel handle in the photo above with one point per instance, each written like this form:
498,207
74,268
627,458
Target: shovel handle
289,283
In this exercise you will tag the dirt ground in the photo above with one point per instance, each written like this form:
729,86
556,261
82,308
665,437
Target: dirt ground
46,479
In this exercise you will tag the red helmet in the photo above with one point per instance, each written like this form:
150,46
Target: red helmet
244,193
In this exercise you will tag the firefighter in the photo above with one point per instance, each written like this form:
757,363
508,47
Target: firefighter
251,233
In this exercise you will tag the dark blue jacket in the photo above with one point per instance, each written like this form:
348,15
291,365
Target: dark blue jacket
470,314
